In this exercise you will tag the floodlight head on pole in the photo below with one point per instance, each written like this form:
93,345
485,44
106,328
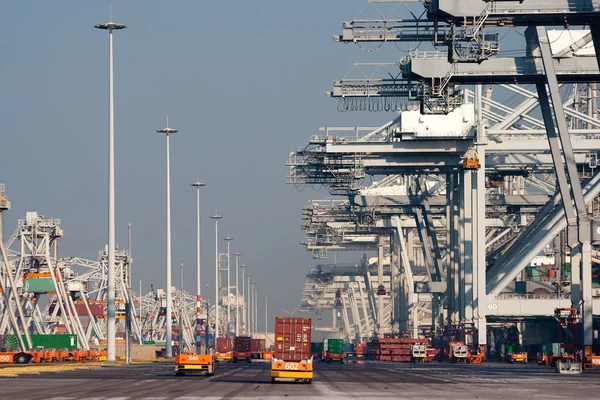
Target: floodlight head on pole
168,131
197,184
216,217
110,25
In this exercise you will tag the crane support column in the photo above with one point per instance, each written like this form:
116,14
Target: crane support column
479,252
452,255
466,246
380,317
579,234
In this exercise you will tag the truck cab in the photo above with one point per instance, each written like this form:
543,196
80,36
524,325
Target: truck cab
418,353
459,352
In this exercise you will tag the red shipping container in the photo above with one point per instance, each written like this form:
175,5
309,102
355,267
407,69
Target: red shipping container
223,345
292,339
96,308
241,344
257,345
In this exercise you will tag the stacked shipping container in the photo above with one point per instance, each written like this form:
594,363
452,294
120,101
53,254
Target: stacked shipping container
394,349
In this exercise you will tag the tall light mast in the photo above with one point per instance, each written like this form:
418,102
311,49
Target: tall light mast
256,310
228,240
244,306
253,311
111,321
237,303
248,309
266,315
216,217
198,185
168,132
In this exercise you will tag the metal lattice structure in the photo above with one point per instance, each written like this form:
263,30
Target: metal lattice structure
491,159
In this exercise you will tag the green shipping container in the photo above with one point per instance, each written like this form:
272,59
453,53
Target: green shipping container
335,346
316,347
556,348
38,285
38,341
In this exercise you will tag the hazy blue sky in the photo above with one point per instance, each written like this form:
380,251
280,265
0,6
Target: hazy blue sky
243,81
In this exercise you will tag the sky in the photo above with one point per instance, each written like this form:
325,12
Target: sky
242,81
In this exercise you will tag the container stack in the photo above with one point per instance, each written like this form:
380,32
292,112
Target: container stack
432,354
393,349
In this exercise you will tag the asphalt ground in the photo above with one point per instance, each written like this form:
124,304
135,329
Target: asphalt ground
331,381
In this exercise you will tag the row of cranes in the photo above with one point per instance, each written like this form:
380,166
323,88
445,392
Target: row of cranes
490,161
44,293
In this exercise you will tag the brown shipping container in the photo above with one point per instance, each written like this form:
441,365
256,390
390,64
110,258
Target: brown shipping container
223,345
292,339
96,308
257,345
241,344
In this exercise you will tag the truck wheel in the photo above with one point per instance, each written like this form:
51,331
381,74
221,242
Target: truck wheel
22,358
233,360
249,360
179,373
273,380
309,381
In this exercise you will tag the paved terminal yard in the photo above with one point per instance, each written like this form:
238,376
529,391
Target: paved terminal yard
331,381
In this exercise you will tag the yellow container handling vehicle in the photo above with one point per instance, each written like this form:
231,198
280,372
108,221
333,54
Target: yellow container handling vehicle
292,358
194,363
301,371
